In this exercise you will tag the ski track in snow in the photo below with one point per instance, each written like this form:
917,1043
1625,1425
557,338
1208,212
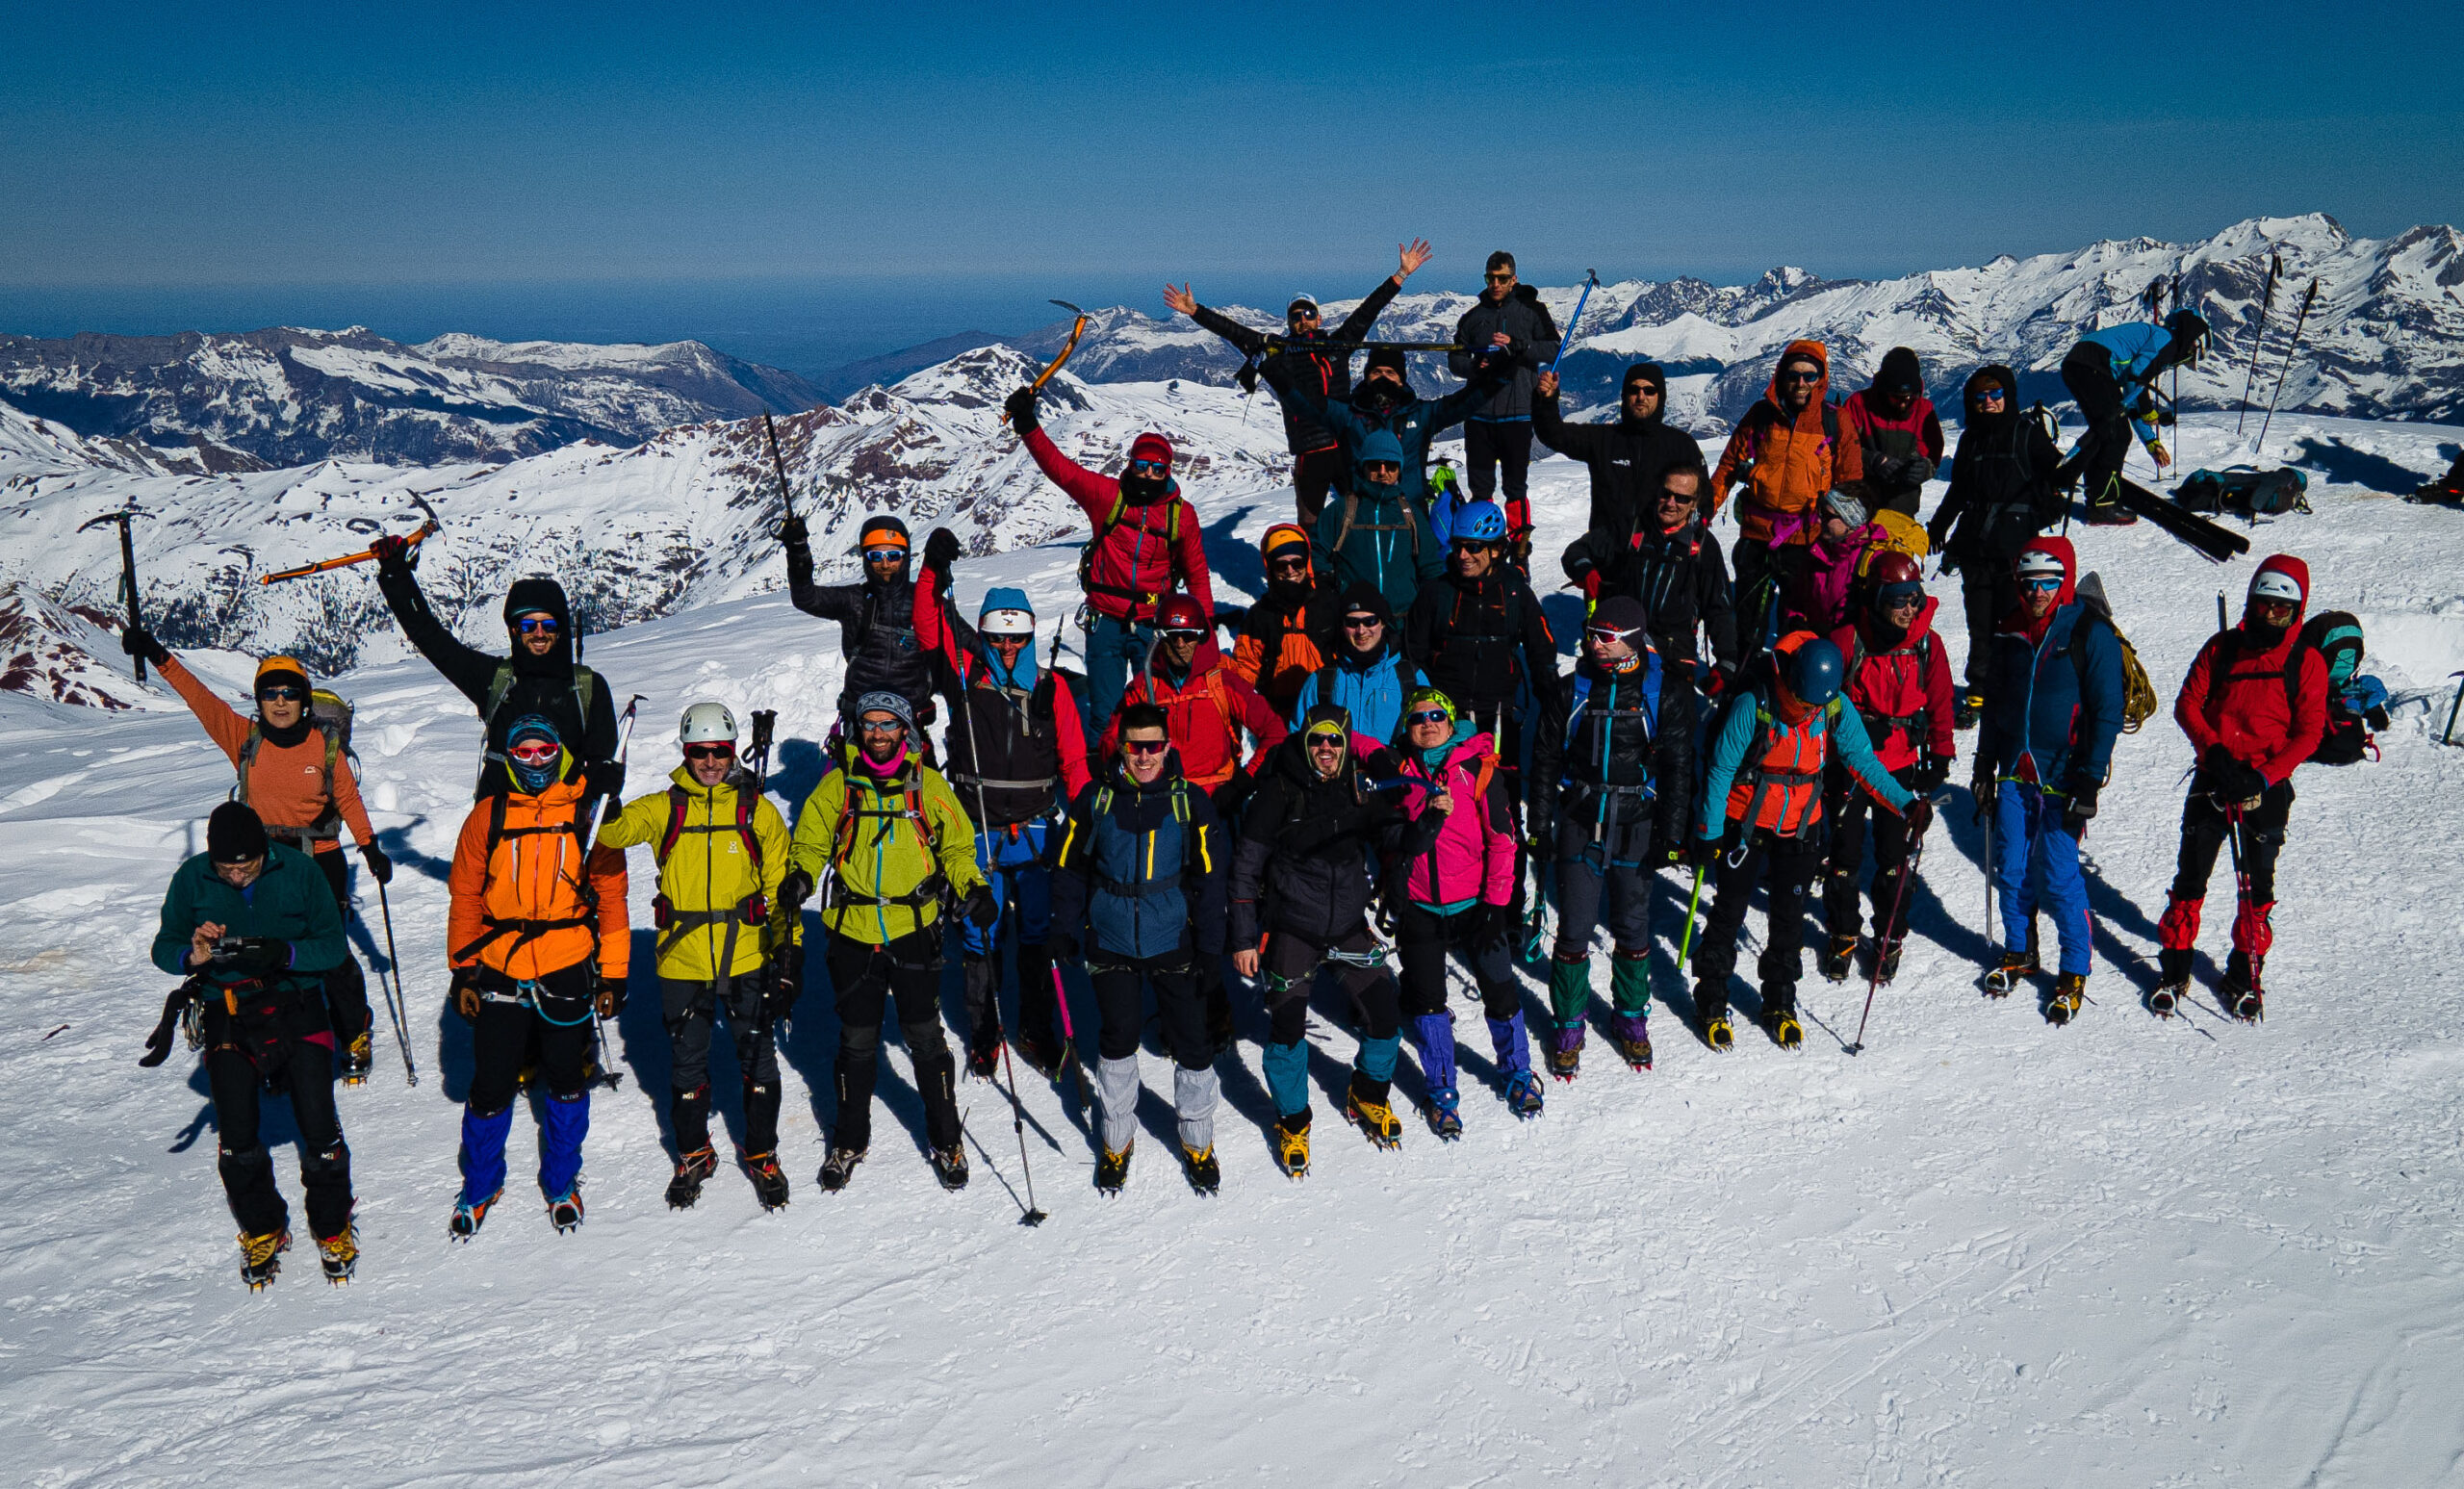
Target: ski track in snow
1982,1252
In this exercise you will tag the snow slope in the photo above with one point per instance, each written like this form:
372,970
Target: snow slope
1982,1252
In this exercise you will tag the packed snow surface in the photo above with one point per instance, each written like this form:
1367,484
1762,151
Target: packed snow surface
1982,1252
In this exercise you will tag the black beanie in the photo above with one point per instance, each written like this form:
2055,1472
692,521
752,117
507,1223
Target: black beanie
1622,613
1386,356
235,833
1644,372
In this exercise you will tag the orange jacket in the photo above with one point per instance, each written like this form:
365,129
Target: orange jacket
286,783
1787,464
519,903
1283,637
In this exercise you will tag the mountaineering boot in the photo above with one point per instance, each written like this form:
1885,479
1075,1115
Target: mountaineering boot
690,1171
2446,488
1886,965
1780,1016
1292,1144
1522,1095
2172,982
261,1257
1433,1036
1366,1106
1445,1114
564,1211
1565,1051
1839,957
338,1253
983,980
1711,1003
837,1165
468,1215
949,1166
1569,999
1970,708
1630,996
2062,1005
2240,990
1199,1168
1112,1170
769,1180
1631,1033
2017,967
2110,514
359,1056
1041,1056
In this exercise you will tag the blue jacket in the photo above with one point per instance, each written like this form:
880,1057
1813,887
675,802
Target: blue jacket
1739,726
2038,724
1374,693
2133,349
1143,867
1389,547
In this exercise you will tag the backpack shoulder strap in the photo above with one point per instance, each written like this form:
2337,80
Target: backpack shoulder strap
495,823
1351,511
498,688
676,799
585,687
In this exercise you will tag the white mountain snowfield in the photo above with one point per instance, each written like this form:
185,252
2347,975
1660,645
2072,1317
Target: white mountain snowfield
1982,1252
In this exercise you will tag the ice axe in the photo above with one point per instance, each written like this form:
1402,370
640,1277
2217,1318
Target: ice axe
410,540
1077,329
2442,733
127,567
1590,282
779,465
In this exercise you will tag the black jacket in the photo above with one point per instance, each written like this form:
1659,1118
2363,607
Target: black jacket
1327,372
2000,496
1021,776
1683,583
876,633
551,686
1627,460
1309,848
1476,639
1612,742
1535,342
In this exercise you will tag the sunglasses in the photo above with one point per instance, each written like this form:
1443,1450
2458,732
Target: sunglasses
1007,640
1907,602
1325,739
1678,497
1474,546
532,626
709,752
1801,377
1502,276
284,695
2043,587
1150,467
1304,315
884,555
1362,623
1601,633
535,754
1288,561
1990,395
881,726
1428,716
1145,746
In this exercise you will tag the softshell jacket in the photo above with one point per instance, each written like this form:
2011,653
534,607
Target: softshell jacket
522,903
893,847
287,902
553,686
1787,464
1479,639
1287,635
1534,344
1033,739
2131,351
710,875
1137,558
1327,372
1627,460
1371,687
1917,432
1600,744
1681,580
285,783
1764,764
1901,690
2237,694
1819,598
1378,536
2051,716
1415,422
1309,848
1471,861
1143,867
1207,711
877,630
1999,494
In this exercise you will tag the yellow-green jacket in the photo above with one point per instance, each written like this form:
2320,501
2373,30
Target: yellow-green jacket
886,885
707,877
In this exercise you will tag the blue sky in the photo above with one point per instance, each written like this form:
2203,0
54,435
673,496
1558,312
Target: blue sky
901,151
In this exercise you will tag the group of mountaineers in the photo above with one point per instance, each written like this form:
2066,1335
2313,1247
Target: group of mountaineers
1387,762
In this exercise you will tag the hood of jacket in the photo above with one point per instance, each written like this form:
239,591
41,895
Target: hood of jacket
1798,350
2293,569
1989,373
538,593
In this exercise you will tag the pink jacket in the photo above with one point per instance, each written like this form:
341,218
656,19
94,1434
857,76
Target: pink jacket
1818,602
1474,855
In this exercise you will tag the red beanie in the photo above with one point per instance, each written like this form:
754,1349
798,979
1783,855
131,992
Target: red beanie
1151,446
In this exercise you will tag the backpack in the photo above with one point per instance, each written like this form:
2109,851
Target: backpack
751,910
2138,699
585,688
2247,490
1104,529
929,889
1405,501
331,714
1326,674
1901,534
1879,725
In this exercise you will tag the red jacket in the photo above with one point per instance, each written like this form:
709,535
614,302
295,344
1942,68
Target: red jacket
1206,710
1891,688
1923,427
2236,695
1138,558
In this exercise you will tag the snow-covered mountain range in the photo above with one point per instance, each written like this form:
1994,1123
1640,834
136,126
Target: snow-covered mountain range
286,397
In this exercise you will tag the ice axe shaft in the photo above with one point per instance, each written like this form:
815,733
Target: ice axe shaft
395,1002
127,568
598,812
409,540
1590,282
778,464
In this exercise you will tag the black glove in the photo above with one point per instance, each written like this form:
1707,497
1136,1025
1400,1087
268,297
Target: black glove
604,777
1981,784
1885,471
158,1044
793,534
1063,946
2082,809
786,981
463,992
607,994
1917,472
982,910
2237,782
1938,530
139,642
1484,925
1918,815
1702,852
1230,616
794,891
1931,775
379,867
1021,407
940,548
255,954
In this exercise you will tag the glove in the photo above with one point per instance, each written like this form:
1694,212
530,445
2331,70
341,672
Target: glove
785,981
2238,782
1487,925
1702,852
604,777
1230,616
1937,531
1918,815
941,550
1542,838
256,955
2157,452
1718,680
982,910
465,992
794,891
609,994
394,553
1981,784
139,642
1931,775
793,534
1022,408
1063,945
379,867
158,1044
2082,809
1885,471
1917,472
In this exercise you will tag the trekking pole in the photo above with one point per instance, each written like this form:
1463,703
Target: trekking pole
1890,928
1590,282
2308,297
2258,339
396,1004
1018,1125
1068,1034
1686,946
766,727
598,812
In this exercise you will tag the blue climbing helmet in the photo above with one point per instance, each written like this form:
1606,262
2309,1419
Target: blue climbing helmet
1811,673
1479,522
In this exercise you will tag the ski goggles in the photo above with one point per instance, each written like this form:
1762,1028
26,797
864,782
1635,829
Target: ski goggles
1606,633
1150,468
1145,746
1192,636
535,752
709,752
533,625
282,693
1429,716
2043,584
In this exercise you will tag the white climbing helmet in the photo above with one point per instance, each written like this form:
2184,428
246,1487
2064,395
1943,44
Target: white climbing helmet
706,723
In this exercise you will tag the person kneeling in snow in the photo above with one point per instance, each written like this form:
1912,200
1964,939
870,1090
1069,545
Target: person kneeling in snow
539,943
